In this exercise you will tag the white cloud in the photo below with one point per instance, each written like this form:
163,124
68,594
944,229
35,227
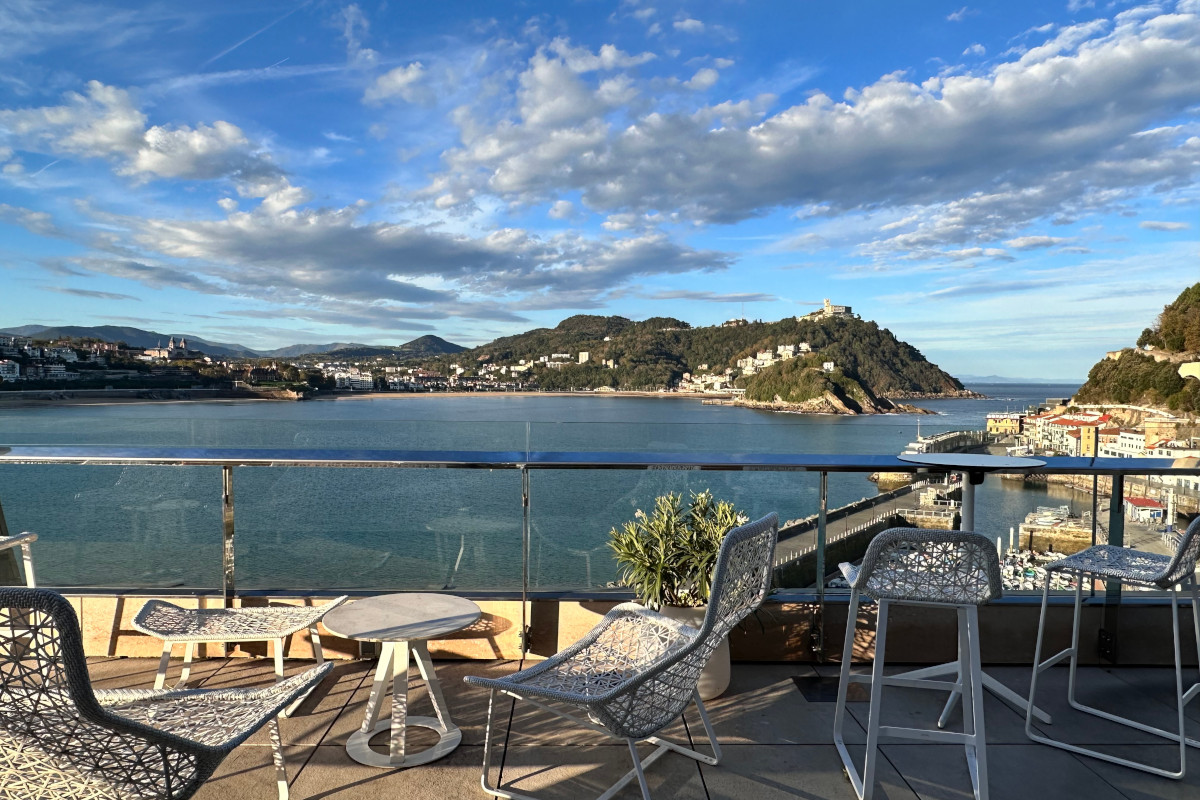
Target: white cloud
1153,225
975,50
403,82
704,78
1067,129
961,14
105,123
561,209
354,29
689,25
1035,242
609,57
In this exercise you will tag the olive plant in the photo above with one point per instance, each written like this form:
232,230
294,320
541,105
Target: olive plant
667,556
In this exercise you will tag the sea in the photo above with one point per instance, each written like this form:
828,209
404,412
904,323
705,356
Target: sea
309,528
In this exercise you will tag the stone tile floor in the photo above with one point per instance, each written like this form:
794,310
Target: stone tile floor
776,743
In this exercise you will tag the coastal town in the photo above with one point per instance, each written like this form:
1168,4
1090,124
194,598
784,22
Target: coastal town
62,362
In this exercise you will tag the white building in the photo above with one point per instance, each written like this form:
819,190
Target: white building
9,370
584,355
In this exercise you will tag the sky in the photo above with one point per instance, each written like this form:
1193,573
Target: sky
1011,187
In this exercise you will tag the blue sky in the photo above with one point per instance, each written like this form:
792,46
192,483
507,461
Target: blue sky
1011,187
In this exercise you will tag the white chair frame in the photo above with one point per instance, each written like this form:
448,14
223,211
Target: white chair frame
969,563
1179,570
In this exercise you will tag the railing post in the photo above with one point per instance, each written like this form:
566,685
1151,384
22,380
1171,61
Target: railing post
227,551
1107,644
818,632
525,539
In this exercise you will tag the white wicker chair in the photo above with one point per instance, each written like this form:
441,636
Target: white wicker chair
636,671
1135,568
192,626
913,566
60,739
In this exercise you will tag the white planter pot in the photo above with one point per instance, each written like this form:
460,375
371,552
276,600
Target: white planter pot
714,680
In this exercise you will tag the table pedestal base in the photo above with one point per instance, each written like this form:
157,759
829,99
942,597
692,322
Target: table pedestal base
358,746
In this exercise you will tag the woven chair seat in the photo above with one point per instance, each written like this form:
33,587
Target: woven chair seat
213,717
1118,563
31,773
171,623
630,640
927,566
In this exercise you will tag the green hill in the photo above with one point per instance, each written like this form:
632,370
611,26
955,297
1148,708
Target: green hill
1138,378
655,354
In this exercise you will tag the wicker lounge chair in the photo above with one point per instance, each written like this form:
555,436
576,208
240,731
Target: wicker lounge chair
949,569
1135,568
636,671
61,739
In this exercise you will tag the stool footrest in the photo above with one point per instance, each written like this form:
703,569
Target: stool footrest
927,735
1054,659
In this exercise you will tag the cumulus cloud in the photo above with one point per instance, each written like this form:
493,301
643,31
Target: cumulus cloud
609,57
403,82
961,14
1063,130
105,123
704,78
689,25
561,209
975,50
1153,225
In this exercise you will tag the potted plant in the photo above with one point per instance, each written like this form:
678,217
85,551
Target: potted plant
667,557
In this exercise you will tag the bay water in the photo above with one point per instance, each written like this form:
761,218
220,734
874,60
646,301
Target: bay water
309,528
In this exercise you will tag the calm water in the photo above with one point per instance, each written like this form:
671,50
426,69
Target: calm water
386,528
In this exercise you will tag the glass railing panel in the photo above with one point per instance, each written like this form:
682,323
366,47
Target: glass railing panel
573,511
377,529
133,527
258,425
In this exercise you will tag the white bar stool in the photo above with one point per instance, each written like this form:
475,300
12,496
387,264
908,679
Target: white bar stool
1135,568
913,566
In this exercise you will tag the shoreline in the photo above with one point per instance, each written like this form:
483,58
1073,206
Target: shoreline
69,398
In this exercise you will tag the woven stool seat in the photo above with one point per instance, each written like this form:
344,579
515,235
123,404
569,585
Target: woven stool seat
172,623
1119,563
191,626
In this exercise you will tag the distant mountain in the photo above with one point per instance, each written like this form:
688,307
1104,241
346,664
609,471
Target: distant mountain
423,347
134,337
295,350
1004,379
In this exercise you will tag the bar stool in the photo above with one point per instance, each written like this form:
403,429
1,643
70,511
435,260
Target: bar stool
1135,568
913,566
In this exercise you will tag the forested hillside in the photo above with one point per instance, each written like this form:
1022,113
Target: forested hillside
1151,376
655,353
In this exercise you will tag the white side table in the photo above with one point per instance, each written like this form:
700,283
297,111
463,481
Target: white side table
403,623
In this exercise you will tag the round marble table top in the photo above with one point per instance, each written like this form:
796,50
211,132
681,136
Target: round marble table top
971,462
401,617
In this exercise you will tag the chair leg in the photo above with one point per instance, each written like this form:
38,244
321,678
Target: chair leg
1074,668
160,679
188,650
637,765
876,712
27,557
976,751
839,710
281,778
318,653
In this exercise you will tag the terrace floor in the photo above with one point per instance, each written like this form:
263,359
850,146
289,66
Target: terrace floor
776,742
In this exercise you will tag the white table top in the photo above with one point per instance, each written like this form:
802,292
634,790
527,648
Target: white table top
401,617
971,462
